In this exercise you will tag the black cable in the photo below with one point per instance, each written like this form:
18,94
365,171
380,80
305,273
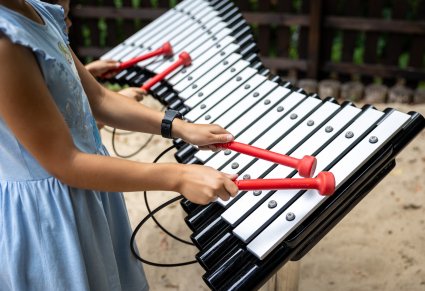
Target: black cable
133,250
114,132
161,227
151,215
132,154
149,209
118,133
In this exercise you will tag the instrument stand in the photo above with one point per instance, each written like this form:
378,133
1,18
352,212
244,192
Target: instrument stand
286,279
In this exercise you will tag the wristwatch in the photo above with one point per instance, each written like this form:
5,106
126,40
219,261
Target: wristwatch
167,122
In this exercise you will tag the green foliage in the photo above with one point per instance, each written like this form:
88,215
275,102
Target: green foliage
85,31
118,3
254,4
293,45
403,61
114,86
359,49
382,42
297,5
386,13
412,13
377,80
336,50
102,26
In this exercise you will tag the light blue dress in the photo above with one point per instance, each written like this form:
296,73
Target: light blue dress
53,236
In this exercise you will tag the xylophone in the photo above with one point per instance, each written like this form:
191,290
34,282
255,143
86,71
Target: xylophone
245,240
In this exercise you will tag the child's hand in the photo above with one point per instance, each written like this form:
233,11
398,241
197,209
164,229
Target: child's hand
103,68
135,93
202,185
202,135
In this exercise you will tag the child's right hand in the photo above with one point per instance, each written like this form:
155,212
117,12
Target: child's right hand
202,184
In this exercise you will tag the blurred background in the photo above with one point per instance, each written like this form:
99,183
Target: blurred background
352,49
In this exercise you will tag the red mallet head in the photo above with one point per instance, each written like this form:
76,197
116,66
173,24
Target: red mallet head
186,59
167,49
326,181
307,166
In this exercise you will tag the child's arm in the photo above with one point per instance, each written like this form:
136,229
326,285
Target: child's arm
29,111
115,110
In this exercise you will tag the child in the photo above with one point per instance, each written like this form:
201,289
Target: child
63,221
100,67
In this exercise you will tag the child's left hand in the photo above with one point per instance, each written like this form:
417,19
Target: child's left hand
133,92
205,136
103,68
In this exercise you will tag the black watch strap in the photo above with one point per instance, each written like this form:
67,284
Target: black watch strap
167,122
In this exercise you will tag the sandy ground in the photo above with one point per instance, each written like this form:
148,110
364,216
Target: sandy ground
379,245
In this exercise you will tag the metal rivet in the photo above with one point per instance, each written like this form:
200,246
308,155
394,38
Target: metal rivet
272,204
349,134
280,109
329,129
184,71
247,87
203,106
373,139
190,78
267,101
225,63
257,192
310,123
235,165
207,117
222,53
290,216
293,116
200,94
227,152
194,86
256,94
238,79
218,46
233,70
208,32
246,177
214,38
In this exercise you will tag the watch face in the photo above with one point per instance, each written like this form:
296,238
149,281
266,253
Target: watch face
171,114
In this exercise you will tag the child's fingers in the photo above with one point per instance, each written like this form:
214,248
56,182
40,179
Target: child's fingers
222,138
139,94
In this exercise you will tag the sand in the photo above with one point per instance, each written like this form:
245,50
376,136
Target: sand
379,245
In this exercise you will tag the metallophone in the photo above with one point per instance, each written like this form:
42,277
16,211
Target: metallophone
244,241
